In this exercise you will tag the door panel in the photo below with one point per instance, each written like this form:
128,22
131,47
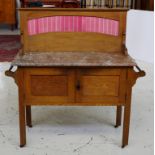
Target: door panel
101,86
49,86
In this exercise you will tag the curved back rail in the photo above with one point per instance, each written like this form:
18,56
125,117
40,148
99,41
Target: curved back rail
48,29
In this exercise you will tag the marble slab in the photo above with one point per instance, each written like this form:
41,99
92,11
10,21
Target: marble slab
73,59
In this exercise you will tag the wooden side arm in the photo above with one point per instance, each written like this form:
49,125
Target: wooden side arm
136,75
10,73
141,73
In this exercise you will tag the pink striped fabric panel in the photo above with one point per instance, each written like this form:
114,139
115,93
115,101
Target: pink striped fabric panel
73,24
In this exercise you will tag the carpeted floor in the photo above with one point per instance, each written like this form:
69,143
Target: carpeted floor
9,46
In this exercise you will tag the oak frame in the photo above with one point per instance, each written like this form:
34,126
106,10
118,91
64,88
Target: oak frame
86,41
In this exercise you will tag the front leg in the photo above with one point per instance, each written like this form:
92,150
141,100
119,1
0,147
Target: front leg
126,125
22,126
127,109
22,108
131,79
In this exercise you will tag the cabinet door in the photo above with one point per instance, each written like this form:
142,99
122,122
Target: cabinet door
101,86
49,86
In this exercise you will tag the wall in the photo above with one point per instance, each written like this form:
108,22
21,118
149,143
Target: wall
140,35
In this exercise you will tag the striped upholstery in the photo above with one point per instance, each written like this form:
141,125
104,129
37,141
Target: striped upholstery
73,24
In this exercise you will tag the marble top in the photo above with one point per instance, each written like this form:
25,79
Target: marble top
42,59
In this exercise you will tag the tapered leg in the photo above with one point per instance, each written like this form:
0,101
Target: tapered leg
126,124
28,116
118,116
22,127
22,124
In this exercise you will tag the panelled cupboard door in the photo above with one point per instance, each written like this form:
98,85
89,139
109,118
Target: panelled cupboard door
101,86
49,86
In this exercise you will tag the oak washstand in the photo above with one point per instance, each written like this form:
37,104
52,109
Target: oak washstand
74,57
